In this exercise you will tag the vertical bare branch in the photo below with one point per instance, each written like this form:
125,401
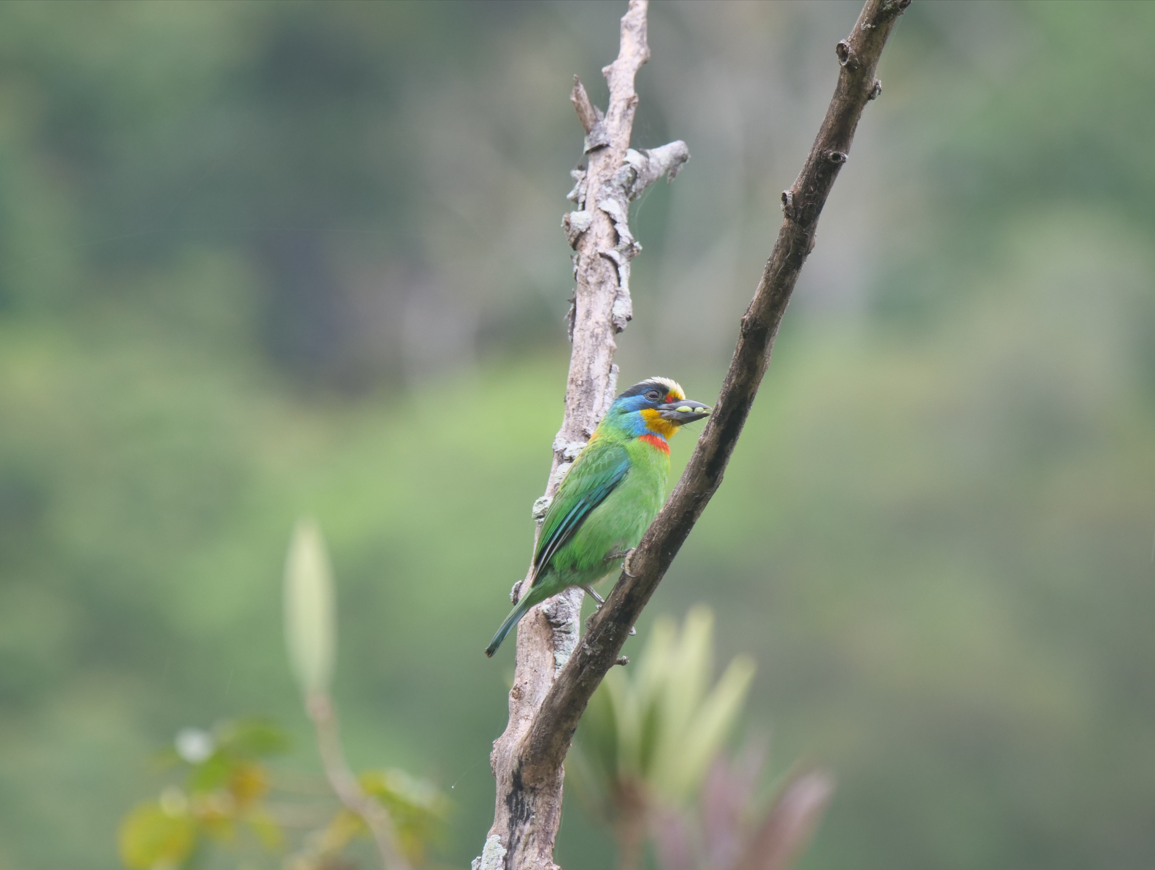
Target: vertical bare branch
528,806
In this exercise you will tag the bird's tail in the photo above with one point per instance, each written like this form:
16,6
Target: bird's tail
527,601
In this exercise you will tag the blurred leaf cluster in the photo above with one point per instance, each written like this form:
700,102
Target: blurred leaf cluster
226,783
649,737
729,828
222,797
659,730
228,797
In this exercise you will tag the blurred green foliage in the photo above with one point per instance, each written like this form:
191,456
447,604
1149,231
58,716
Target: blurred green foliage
233,806
223,793
264,259
659,731
644,744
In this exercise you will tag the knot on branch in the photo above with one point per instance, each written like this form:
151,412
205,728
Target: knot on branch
580,188
845,56
875,91
575,223
788,205
567,451
563,613
540,506
492,855
836,157
598,137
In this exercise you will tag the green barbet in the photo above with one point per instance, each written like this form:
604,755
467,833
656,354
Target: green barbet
610,496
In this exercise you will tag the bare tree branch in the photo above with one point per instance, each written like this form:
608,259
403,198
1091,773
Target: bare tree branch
552,731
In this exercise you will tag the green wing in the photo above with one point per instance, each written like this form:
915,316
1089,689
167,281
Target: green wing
598,469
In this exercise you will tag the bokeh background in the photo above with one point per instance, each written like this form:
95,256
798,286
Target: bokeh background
259,260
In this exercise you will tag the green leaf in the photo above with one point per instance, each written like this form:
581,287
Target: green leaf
211,774
252,738
659,726
310,626
151,838
711,725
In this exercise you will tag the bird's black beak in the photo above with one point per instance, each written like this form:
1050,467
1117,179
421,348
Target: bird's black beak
684,411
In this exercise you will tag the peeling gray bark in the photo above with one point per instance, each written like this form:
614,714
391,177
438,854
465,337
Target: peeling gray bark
528,807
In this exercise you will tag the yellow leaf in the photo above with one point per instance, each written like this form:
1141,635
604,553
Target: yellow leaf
248,783
149,837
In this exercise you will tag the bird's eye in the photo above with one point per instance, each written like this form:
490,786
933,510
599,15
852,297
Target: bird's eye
653,395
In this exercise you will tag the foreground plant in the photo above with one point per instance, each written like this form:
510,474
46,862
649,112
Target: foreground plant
648,736
650,758
225,796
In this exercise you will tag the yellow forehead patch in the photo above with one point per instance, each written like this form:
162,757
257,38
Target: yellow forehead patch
674,391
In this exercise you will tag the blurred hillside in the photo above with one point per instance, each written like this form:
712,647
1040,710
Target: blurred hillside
264,259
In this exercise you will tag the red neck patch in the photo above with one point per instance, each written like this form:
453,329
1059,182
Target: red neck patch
656,441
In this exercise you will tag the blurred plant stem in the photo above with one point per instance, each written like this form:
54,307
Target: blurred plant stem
311,638
345,785
630,822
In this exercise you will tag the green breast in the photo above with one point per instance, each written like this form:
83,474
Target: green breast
618,523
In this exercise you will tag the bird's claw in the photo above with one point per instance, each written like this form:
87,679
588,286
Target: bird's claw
597,598
599,601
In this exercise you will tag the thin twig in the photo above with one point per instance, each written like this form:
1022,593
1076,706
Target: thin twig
346,786
858,55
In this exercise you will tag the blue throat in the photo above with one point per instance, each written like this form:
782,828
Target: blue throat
624,414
